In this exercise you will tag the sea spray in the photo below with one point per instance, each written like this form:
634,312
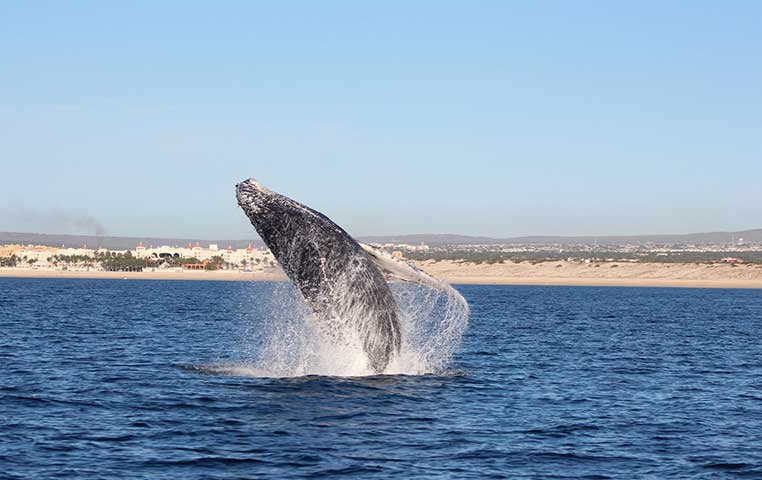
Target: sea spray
288,340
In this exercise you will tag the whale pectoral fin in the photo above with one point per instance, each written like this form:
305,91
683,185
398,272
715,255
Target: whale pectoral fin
394,269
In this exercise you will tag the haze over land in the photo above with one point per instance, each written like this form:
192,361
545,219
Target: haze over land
120,243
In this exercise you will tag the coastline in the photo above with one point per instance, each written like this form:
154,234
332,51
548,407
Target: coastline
524,273
219,275
603,274
605,282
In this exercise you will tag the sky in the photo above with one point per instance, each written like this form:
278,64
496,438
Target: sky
483,118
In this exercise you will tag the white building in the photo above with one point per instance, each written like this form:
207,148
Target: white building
248,258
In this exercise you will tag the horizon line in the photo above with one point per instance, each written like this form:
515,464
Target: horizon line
255,236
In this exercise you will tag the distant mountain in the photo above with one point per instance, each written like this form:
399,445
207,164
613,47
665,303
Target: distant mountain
431,239
749,236
114,243
123,243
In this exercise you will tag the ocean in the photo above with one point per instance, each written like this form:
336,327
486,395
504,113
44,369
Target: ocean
133,380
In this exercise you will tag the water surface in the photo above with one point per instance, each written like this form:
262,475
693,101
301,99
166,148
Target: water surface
109,378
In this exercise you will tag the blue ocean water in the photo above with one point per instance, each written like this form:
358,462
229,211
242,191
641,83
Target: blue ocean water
99,379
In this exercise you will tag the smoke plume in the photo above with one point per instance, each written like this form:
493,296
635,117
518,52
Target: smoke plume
53,221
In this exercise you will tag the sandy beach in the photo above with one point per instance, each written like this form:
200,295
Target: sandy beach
524,273
599,274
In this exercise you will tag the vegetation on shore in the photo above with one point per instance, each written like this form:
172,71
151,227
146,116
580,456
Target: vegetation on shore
497,256
116,262
127,262
11,261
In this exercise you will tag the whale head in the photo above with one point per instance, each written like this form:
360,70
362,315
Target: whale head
252,197
279,220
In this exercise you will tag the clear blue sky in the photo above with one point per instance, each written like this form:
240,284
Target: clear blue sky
494,118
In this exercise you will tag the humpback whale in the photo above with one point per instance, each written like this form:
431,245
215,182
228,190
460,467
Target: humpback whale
339,279
343,281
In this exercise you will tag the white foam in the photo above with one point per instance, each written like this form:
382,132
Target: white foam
291,343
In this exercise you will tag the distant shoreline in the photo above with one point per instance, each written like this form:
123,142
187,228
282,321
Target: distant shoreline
624,274
605,282
567,274
219,275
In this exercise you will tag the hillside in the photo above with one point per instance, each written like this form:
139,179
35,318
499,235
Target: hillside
749,236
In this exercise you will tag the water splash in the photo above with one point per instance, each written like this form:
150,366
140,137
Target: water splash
290,341
433,323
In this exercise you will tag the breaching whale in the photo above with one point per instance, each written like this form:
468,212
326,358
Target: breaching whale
342,281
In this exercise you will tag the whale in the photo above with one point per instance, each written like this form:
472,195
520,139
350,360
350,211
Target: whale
341,280
344,282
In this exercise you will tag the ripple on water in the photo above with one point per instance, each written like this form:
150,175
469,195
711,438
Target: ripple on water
150,380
